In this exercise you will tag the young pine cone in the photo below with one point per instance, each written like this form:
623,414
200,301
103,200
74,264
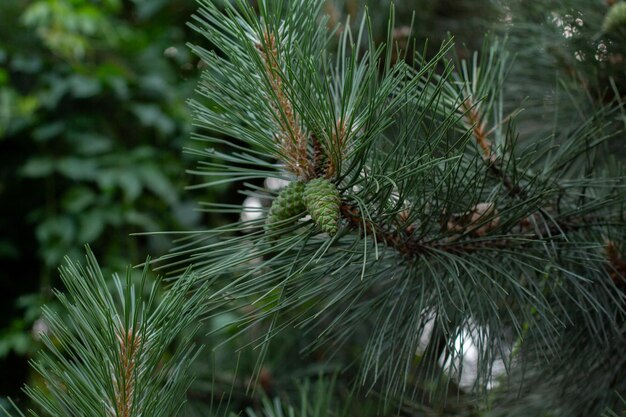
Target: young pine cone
615,18
288,204
323,202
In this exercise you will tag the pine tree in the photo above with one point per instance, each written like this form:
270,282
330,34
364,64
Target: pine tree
426,211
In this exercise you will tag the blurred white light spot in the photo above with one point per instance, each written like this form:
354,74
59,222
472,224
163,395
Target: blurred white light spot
275,183
464,366
40,328
171,52
568,32
601,52
580,56
427,331
252,209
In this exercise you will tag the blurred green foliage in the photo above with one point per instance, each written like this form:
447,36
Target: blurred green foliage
92,125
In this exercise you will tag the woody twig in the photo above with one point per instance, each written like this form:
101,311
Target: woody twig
291,138
124,377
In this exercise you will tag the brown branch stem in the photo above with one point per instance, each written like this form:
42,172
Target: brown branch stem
479,130
291,138
409,246
129,344
481,135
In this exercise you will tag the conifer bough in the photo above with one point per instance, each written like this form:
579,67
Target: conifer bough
119,351
455,218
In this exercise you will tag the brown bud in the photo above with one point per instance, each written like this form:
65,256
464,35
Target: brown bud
475,220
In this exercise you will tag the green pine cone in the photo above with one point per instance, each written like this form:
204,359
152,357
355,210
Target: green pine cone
289,203
615,18
323,202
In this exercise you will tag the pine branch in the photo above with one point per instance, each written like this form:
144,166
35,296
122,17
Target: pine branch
406,244
506,240
109,355
483,216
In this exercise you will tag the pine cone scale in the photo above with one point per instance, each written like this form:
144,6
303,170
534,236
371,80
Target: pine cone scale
323,202
289,203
